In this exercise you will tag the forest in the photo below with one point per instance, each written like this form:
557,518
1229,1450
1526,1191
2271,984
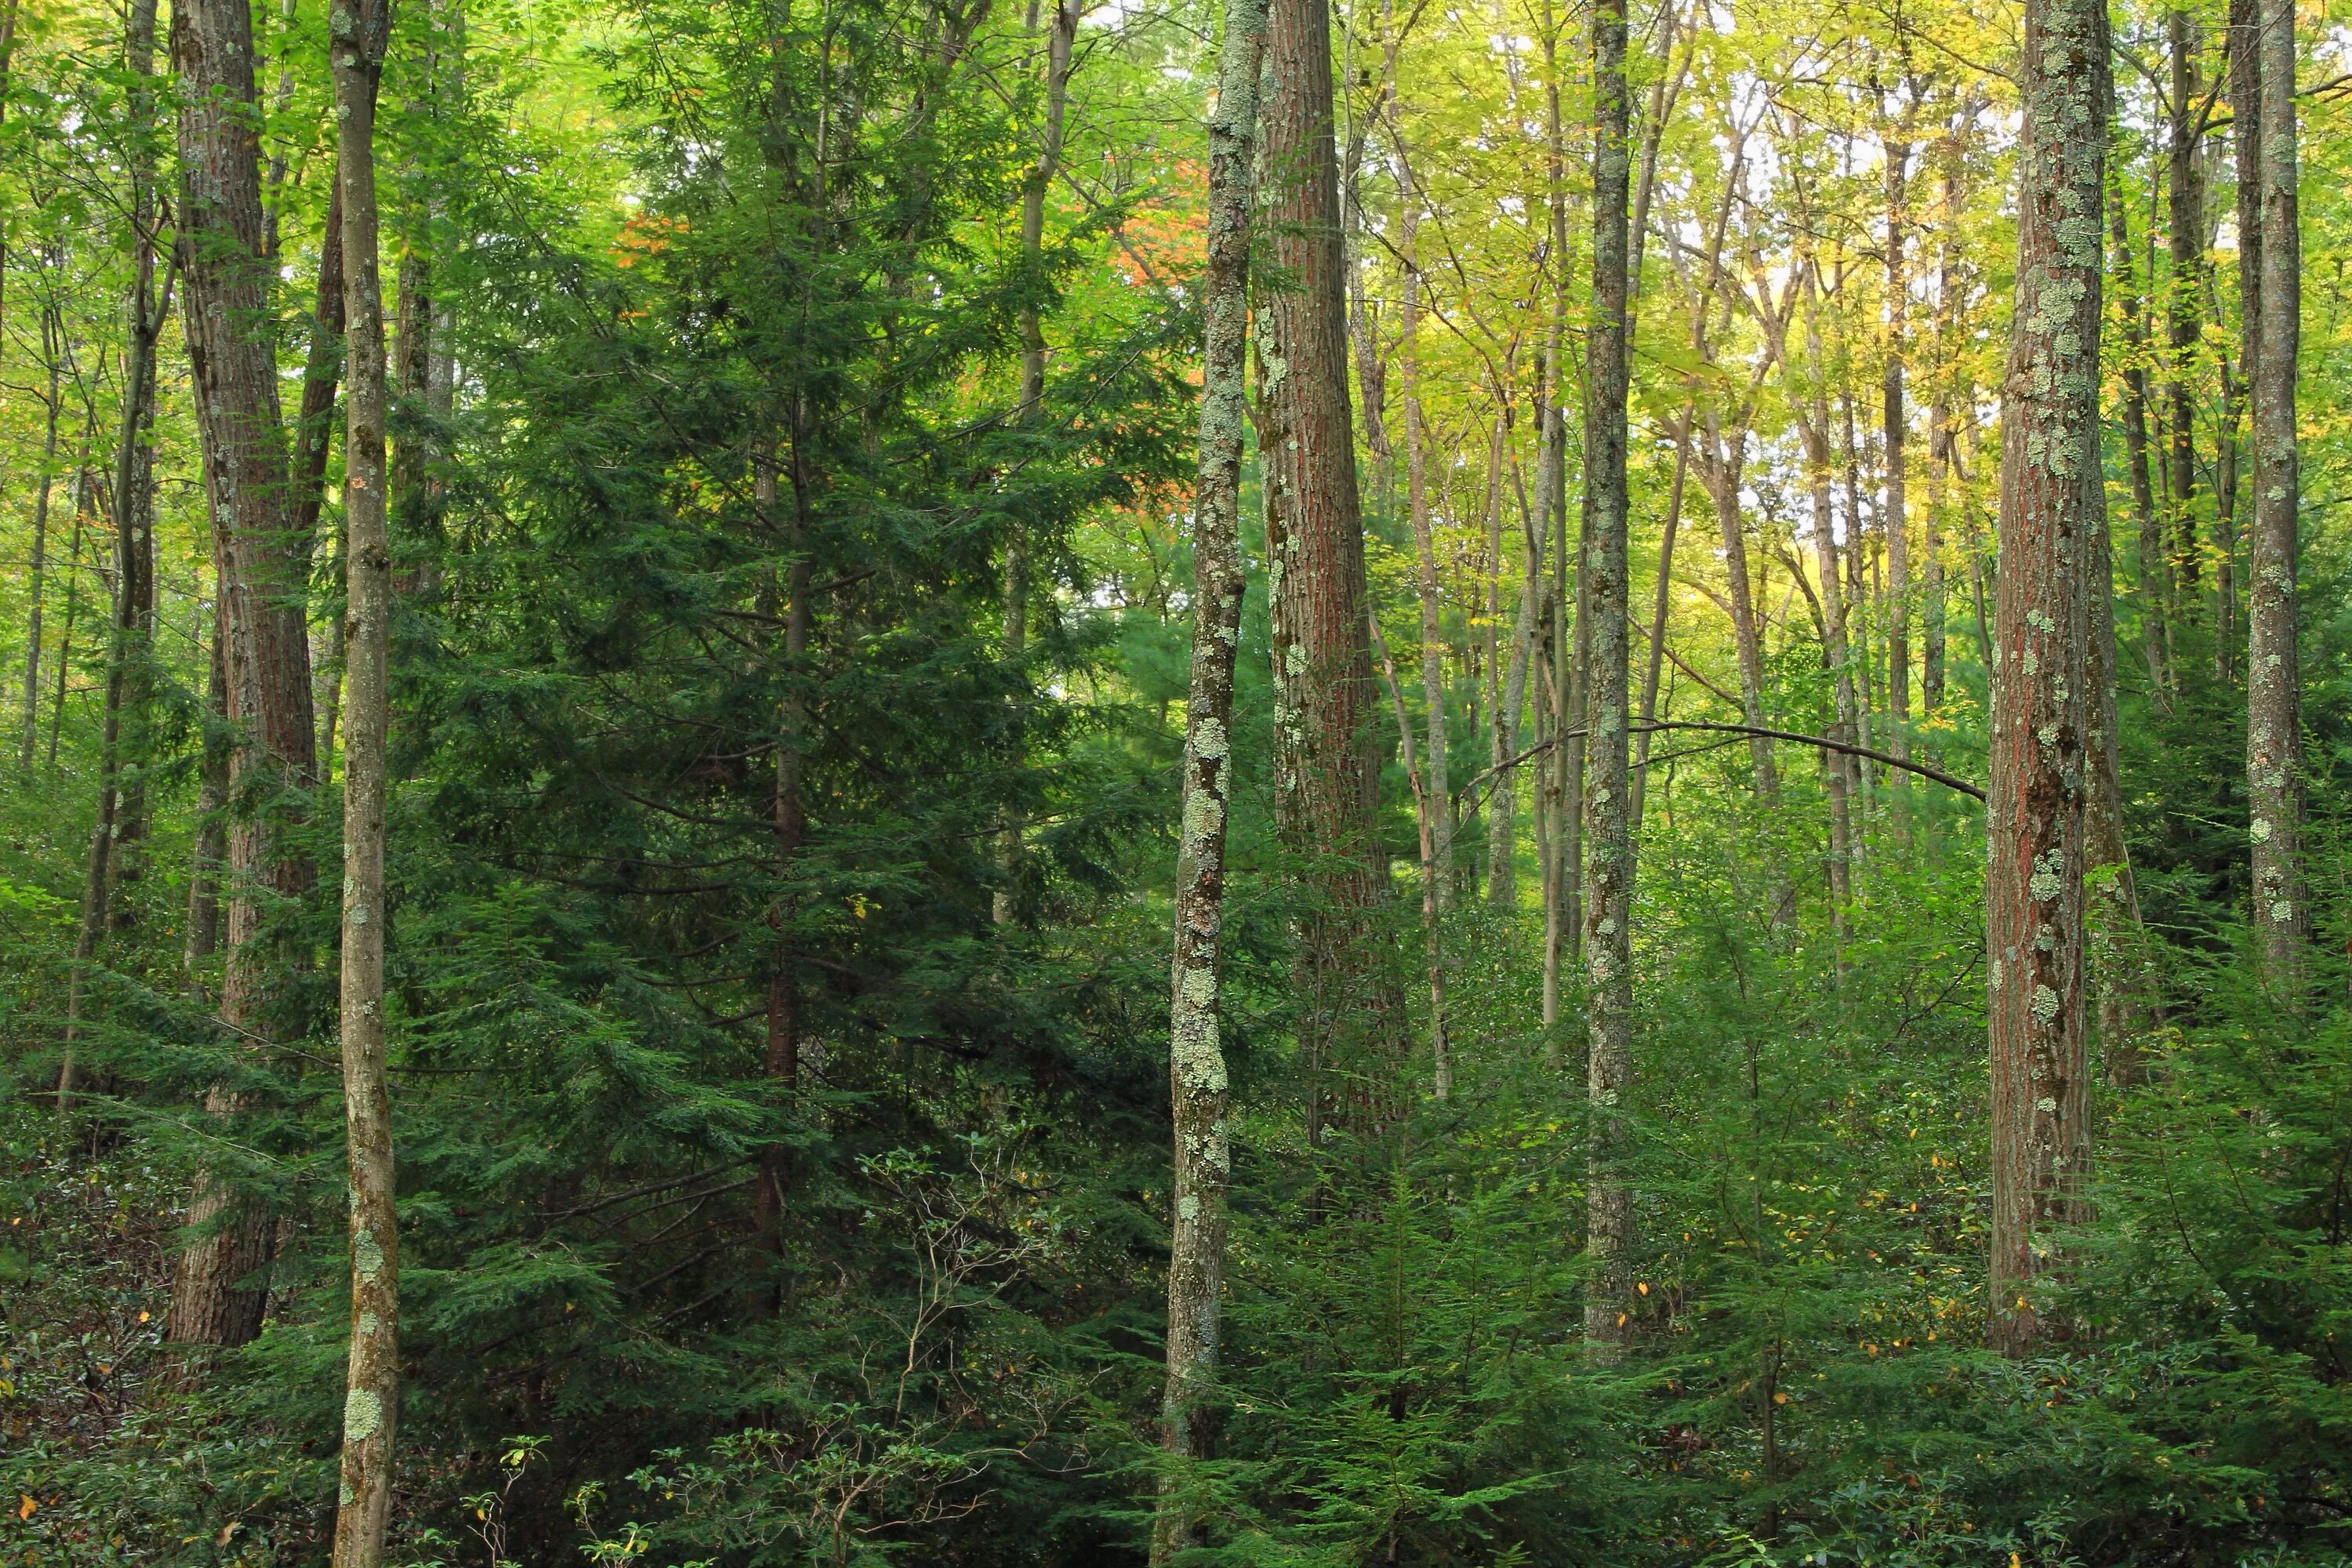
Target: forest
1277,784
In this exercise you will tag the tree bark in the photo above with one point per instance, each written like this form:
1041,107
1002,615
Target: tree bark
1606,578
2050,490
1326,770
372,1382
261,584
2273,704
1197,1078
2185,204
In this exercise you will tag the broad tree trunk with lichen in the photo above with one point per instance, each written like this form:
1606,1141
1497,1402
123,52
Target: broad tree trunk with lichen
2051,490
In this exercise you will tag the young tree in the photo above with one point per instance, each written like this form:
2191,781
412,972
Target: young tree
371,1381
2051,486
1197,1081
1609,872
2273,703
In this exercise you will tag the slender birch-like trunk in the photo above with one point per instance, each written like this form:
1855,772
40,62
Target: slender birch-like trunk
1606,580
2274,671
2050,490
358,33
1197,1079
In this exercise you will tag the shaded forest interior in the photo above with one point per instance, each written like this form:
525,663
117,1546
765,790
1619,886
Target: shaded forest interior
1289,783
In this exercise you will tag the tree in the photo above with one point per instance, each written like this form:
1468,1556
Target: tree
372,1379
1199,1086
1326,770
1609,871
225,294
2274,769
2050,491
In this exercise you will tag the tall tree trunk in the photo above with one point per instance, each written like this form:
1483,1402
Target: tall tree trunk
1838,772
1424,541
1896,516
261,582
2274,671
114,844
2155,572
134,478
1061,35
1563,787
2050,490
2244,75
1662,603
1197,1077
2185,327
1606,577
1502,812
1326,767
45,481
372,1382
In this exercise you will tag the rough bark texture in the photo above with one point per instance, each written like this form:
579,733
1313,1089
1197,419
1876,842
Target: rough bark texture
2273,707
1197,1081
232,361
372,1382
1326,766
1608,832
2050,490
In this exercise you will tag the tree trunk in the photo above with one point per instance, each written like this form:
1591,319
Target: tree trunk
261,584
2273,703
1502,811
2050,490
134,481
2245,83
1897,515
2155,572
1561,801
1416,460
1606,580
45,481
1062,34
1662,603
2185,328
1327,768
372,1383
1838,771
1197,1078
134,588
